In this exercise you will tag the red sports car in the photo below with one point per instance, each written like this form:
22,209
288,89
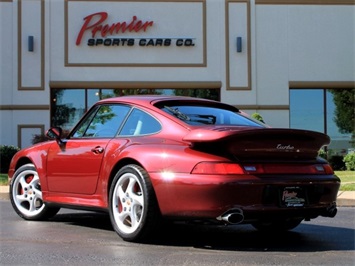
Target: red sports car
143,159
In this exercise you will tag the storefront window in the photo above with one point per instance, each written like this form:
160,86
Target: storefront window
94,95
69,105
307,109
326,111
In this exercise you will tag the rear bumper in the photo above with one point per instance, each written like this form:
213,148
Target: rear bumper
205,196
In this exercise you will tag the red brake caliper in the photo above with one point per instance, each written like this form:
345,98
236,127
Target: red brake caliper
28,180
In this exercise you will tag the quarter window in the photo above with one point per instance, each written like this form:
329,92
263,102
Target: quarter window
140,123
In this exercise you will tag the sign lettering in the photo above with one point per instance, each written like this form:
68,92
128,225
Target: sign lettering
95,24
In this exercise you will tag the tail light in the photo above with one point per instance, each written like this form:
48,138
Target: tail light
220,168
328,169
223,168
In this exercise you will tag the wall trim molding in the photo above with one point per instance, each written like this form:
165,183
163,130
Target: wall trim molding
322,84
18,107
304,2
135,84
262,107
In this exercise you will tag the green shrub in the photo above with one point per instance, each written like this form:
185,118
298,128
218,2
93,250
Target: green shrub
337,163
349,161
258,117
38,138
6,154
322,153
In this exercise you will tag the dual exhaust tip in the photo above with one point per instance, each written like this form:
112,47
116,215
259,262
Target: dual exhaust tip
236,216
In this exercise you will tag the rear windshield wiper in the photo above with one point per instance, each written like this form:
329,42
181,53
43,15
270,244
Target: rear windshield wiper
204,119
177,113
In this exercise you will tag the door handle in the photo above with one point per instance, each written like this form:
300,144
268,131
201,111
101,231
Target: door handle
97,150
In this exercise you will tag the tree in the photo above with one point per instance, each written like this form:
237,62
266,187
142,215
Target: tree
344,114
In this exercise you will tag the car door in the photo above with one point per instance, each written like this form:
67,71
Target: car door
75,166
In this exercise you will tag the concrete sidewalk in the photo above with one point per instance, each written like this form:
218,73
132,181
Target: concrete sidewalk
345,198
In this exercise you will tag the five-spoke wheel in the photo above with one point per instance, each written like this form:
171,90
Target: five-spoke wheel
133,208
26,195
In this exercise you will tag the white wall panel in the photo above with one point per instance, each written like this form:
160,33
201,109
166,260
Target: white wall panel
238,62
122,33
6,52
25,124
272,55
30,62
26,134
321,43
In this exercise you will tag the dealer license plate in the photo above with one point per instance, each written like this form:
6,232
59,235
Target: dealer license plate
293,197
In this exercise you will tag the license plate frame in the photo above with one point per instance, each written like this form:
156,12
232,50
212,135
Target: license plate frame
293,197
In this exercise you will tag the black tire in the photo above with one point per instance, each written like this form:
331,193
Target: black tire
277,226
133,207
26,195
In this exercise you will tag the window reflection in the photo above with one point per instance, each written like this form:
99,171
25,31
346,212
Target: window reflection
106,121
140,123
69,105
307,110
315,109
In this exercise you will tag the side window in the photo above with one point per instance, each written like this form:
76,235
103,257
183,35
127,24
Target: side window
79,132
140,123
105,122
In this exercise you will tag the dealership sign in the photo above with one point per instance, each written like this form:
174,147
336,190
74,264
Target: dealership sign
150,33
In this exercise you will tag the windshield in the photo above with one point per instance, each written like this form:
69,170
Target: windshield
209,115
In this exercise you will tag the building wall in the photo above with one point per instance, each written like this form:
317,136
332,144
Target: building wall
285,43
301,46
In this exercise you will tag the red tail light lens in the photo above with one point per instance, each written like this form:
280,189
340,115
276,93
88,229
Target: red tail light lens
210,168
221,168
328,169
324,169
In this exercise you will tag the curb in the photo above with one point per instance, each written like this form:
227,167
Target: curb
344,199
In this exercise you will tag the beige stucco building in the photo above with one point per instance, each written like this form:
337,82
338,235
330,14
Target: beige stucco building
280,58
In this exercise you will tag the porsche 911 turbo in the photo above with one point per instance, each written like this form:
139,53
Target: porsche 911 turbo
145,159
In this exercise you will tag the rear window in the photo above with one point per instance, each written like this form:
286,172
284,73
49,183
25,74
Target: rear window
209,115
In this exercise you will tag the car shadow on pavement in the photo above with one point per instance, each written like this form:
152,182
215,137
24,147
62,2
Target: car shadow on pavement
305,238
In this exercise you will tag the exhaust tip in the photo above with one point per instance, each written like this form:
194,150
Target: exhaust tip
332,212
234,216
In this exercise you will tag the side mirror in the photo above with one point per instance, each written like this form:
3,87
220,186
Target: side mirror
55,133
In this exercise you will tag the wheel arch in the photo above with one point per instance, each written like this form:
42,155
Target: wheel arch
121,163
20,162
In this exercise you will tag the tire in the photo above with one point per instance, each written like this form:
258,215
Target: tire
26,195
277,226
133,207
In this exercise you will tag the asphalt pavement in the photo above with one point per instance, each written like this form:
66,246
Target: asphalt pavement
345,198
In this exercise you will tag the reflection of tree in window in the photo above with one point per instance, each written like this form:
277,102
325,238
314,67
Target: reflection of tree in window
62,113
106,121
344,114
137,92
84,125
198,93
67,107
103,115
